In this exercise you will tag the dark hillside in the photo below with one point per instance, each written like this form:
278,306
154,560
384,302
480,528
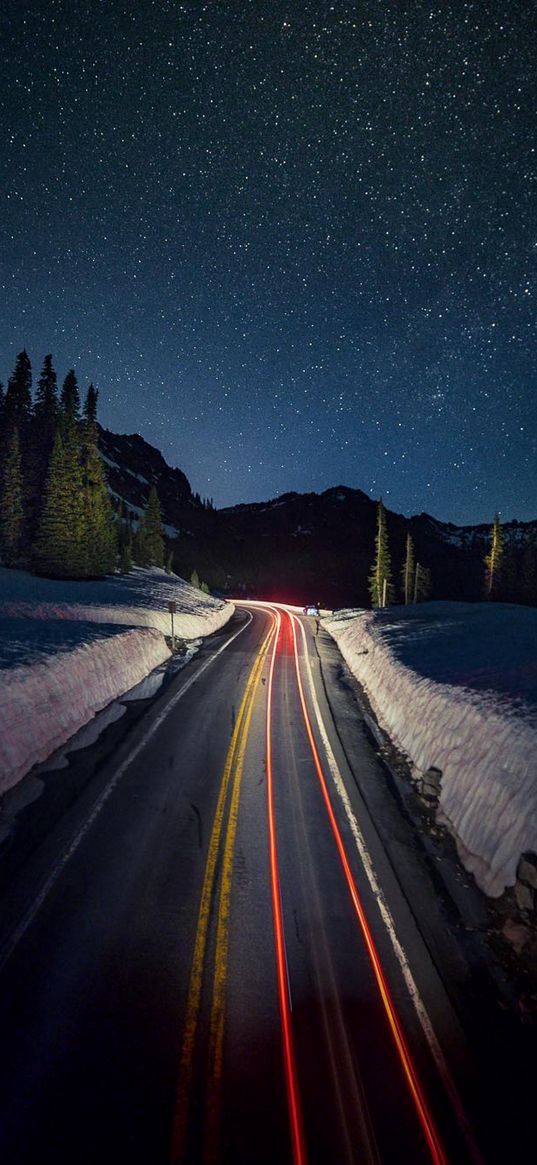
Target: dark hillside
133,466
307,547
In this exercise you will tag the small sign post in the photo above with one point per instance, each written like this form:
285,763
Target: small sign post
172,608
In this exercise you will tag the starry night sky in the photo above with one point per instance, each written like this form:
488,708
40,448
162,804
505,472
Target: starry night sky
293,244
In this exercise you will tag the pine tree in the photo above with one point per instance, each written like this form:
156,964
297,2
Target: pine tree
195,580
2,405
380,586
408,570
60,550
43,432
18,401
18,415
11,507
99,526
422,584
153,542
493,560
90,405
205,588
169,563
46,408
70,400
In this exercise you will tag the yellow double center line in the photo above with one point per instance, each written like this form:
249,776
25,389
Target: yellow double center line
232,774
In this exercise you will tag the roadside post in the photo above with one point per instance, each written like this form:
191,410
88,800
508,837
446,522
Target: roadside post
172,608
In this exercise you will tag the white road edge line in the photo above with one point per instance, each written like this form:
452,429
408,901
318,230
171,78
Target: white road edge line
367,862
386,914
37,903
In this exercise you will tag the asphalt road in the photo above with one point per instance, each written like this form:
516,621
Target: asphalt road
209,957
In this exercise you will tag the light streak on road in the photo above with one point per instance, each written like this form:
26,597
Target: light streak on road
291,1078
287,634
412,987
425,1117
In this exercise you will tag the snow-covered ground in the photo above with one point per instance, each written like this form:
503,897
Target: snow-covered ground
455,687
137,599
67,649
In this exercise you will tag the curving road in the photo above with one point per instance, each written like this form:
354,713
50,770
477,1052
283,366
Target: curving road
208,958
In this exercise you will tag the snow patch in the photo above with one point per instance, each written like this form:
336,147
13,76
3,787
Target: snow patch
68,649
455,686
137,599
45,703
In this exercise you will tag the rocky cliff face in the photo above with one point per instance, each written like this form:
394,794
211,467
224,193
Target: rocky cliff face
133,466
303,547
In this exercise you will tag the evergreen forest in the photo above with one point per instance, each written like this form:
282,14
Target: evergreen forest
56,512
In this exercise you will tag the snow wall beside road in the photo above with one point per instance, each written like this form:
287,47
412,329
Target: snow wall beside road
484,744
45,703
67,649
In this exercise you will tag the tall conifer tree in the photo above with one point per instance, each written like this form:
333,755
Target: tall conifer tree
493,560
43,431
11,506
70,399
61,548
18,402
90,405
99,526
380,586
153,541
46,407
18,415
408,570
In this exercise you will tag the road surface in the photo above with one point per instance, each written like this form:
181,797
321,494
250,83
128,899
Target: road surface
209,958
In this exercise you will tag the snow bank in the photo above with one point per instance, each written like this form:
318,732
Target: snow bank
67,649
137,599
455,686
44,703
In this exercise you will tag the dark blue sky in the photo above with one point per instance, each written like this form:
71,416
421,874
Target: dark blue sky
293,244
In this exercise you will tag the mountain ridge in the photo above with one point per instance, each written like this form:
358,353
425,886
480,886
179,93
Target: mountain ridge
299,546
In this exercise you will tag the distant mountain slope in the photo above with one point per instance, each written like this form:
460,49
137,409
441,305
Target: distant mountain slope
133,466
298,547
477,537
319,547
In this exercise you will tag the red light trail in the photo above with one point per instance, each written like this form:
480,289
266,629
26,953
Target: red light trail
291,1079
425,1117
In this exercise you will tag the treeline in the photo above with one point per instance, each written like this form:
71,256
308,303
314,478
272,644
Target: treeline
204,503
56,514
416,583
510,568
